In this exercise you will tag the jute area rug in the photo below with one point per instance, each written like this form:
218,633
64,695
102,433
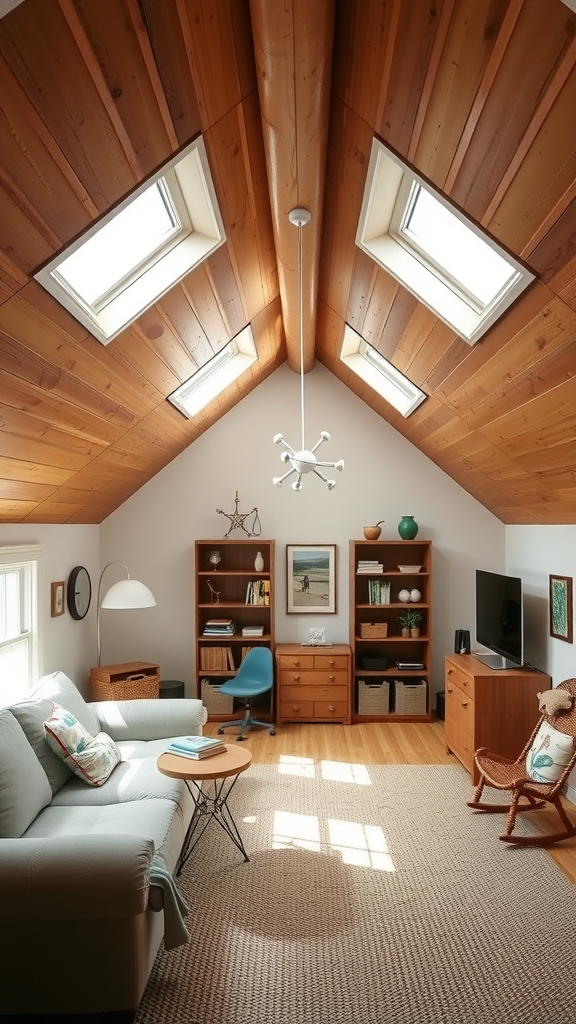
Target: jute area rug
377,897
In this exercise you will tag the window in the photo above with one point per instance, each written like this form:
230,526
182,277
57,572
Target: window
428,245
139,250
207,383
19,571
379,373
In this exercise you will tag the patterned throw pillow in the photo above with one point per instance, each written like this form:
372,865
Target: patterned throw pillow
549,754
92,758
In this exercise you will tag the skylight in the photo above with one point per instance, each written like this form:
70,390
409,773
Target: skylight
224,368
436,252
379,373
138,251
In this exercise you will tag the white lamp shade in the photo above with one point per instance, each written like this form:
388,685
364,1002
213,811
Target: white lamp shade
129,594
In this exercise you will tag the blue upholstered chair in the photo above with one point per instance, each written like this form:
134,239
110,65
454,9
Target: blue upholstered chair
254,676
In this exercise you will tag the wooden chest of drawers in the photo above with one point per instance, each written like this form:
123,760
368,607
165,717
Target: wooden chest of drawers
313,685
487,708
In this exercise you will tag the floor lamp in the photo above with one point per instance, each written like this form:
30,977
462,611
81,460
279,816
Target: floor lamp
126,593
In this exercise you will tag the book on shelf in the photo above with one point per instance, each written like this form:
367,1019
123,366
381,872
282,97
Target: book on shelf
216,659
244,652
253,631
411,666
258,592
196,747
369,568
378,592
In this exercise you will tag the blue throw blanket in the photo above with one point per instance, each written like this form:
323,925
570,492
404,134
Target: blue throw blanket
175,909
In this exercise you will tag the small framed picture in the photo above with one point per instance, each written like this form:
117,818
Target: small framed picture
57,605
311,579
561,607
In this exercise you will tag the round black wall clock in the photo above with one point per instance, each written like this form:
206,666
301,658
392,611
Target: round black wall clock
78,592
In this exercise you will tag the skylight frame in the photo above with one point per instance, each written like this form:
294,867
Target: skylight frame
380,374
211,379
389,185
188,179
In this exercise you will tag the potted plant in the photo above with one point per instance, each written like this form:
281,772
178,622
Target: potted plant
409,622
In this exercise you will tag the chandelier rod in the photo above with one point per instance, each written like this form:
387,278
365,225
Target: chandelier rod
300,289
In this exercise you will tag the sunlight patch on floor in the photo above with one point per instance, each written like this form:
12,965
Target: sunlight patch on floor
332,771
358,844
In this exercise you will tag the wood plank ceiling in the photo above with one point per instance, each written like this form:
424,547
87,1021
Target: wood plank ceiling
479,95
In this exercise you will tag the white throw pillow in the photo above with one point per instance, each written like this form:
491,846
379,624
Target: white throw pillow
549,754
91,758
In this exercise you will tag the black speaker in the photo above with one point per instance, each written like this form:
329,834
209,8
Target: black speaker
458,641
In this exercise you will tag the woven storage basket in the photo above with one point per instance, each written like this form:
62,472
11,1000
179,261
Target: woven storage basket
132,681
373,630
410,699
373,697
216,703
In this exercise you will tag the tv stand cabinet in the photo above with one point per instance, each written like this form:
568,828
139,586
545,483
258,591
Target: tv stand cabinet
491,708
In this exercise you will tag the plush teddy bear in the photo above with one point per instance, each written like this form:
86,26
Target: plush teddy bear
553,701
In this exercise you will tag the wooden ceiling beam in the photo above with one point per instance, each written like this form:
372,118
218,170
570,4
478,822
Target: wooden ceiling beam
293,50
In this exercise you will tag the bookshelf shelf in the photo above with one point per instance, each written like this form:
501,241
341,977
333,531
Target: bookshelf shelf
221,594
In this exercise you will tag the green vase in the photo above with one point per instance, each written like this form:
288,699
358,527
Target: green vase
407,528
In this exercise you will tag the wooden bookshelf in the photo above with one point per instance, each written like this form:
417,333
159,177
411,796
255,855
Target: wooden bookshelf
235,591
381,690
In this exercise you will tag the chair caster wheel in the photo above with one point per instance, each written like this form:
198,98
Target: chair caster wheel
272,732
220,732
240,739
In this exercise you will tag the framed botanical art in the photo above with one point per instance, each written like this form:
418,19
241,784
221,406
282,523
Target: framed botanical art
561,607
311,578
57,600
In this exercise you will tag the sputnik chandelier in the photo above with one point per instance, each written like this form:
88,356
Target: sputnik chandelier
303,461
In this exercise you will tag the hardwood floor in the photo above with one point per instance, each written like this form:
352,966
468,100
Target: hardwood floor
383,743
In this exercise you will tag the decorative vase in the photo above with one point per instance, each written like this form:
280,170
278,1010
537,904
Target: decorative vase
259,562
405,631
414,632
415,595
407,528
404,596
214,559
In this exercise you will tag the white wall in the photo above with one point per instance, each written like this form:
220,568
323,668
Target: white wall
65,643
385,477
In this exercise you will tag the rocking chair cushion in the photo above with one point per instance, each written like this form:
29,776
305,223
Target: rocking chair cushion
549,754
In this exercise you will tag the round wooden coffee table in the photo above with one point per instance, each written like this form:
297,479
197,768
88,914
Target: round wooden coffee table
222,771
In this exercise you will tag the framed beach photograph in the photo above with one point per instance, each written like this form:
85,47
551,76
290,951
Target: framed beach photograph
57,599
311,578
561,607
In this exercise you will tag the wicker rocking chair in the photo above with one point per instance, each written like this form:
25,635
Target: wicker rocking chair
527,794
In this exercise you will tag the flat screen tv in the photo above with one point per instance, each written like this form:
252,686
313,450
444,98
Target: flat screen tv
499,619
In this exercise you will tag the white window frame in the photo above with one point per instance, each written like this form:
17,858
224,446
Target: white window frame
26,559
379,373
389,185
211,379
188,181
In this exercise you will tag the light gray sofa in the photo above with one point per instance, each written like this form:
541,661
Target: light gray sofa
81,921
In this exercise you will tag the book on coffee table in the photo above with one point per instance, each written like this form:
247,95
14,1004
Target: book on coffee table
196,747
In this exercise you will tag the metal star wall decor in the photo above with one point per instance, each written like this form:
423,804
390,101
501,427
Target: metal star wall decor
237,520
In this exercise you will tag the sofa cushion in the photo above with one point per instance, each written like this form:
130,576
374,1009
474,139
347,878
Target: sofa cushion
32,713
158,820
58,688
91,758
136,779
24,788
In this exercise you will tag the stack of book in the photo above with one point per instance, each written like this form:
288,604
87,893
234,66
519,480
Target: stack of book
195,747
252,630
219,627
368,567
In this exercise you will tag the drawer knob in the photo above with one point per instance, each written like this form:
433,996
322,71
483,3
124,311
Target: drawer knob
296,677
331,678
331,662
450,690
296,663
464,703
295,707
331,707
